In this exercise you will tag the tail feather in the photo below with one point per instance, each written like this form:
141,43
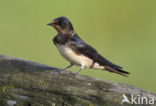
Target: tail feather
109,65
117,70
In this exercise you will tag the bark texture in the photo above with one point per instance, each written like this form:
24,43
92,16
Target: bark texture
26,83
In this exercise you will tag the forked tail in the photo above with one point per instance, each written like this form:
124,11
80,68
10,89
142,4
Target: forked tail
117,70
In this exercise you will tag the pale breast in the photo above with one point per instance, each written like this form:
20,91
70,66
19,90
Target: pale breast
73,57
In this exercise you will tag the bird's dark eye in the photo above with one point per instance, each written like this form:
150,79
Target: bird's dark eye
56,22
59,23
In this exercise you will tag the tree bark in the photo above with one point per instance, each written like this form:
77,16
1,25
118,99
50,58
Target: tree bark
26,83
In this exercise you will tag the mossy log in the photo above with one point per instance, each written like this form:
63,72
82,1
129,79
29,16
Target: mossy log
26,83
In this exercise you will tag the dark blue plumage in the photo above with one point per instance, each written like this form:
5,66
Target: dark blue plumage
77,52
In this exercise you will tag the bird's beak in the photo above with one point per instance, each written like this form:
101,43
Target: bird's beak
51,24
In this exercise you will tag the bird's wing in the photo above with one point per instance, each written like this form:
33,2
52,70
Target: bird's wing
80,47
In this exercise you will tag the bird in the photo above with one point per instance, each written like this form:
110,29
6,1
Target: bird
77,52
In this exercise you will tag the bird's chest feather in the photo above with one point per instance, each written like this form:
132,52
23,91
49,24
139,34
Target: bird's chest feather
73,57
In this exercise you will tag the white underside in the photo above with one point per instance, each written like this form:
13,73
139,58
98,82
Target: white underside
76,59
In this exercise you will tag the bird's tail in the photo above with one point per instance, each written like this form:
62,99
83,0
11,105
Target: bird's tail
117,70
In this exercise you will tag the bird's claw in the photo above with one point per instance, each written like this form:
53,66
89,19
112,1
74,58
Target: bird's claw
63,70
77,74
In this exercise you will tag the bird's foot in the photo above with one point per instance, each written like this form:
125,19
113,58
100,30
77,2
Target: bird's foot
66,70
76,74
63,70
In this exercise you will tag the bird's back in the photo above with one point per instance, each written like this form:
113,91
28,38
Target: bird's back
98,60
90,52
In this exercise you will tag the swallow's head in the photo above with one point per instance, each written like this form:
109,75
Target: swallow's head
62,25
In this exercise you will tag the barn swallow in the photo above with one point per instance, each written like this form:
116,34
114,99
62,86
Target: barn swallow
77,52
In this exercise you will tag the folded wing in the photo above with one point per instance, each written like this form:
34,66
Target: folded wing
81,47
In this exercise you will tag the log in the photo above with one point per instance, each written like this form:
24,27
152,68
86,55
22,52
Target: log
27,83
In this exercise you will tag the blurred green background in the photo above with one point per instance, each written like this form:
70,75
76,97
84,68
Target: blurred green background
124,31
